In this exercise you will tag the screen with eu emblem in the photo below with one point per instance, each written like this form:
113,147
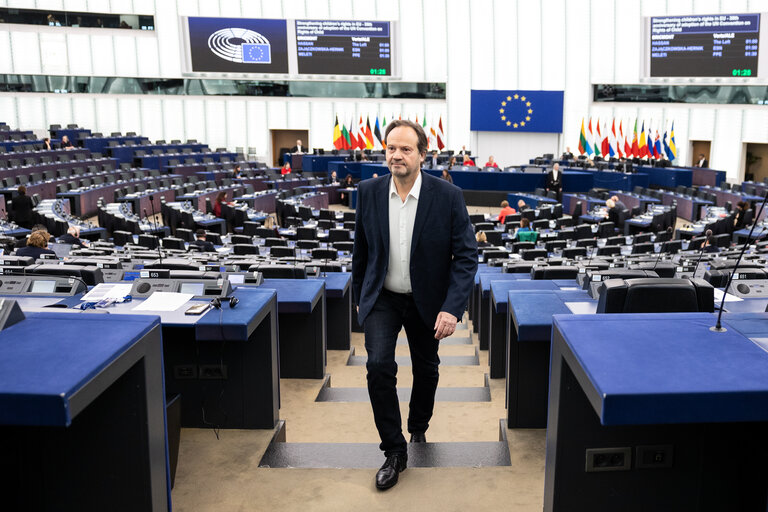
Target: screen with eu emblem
237,45
516,111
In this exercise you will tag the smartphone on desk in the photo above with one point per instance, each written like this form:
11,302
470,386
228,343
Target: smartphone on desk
197,309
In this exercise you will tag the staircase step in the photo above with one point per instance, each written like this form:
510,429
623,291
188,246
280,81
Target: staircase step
280,454
450,340
443,394
473,360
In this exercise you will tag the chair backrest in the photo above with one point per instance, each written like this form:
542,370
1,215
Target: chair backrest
532,254
324,254
554,272
282,252
273,241
573,252
245,249
655,295
173,243
608,250
577,209
494,237
583,231
527,236
281,272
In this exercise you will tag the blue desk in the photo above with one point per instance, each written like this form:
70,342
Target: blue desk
302,327
614,180
82,413
101,144
529,199
529,327
667,177
484,281
666,380
497,316
319,163
688,207
476,296
242,339
338,297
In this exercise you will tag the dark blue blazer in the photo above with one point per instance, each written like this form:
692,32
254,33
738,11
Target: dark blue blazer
443,258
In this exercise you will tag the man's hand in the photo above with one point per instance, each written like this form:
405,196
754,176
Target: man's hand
445,325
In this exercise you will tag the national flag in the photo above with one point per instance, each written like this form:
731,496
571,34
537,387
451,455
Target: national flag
368,133
612,139
432,136
642,143
583,144
667,149
590,139
377,134
598,139
657,146
352,137
361,139
605,146
337,143
620,141
635,146
440,134
649,141
346,137
672,146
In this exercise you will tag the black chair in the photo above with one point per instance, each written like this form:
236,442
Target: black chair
122,238
148,241
324,254
493,237
522,246
539,224
643,248
641,238
304,233
655,295
583,231
173,243
241,239
483,226
608,250
310,244
554,272
282,252
185,234
577,209
344,246
240,249
552,245
573,252
273,241
281,271
339,235
532,254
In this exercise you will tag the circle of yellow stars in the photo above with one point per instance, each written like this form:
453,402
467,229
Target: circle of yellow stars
503,111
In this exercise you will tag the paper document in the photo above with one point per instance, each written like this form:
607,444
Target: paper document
164,301
108,291
582,308
728,298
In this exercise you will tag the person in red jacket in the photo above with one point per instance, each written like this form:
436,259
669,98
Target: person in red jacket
490,162
285,169
505,210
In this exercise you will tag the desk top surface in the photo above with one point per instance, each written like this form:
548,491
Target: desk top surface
500,289
47,358
668,368
532,311
296,295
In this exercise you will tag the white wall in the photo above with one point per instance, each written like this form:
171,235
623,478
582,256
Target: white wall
481,44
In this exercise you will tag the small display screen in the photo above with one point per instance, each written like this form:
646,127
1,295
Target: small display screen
340,47
193,288
236,278
43,286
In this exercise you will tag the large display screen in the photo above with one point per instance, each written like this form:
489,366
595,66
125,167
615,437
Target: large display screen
238,45
332,47
720,45
290,47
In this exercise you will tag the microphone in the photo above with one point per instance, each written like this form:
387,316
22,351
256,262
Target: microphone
159,251
663,246
718,327
708,234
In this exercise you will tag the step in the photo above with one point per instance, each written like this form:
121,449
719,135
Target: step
450,340
473,360
443,394
280,454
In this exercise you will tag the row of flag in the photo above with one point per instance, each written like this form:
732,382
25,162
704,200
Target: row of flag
360,135
611,143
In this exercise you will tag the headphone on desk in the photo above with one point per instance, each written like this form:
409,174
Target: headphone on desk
216,301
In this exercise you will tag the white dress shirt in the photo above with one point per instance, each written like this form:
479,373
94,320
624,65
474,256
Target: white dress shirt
402,215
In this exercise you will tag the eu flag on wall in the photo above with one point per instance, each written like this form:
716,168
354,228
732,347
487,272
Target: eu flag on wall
256,53
517,111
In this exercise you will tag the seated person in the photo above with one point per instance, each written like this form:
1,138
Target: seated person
482,240
285,169
22,242
468,161
619,204
433,160
333,179
522,206
613,211
236,172
37,244
72,236
201,243
347,183
491,162
525,225
220,198
65,143
271,223
567,155
738,219
452,162
447,176
47,144
505,210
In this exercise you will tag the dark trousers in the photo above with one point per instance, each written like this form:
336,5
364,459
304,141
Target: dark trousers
392,312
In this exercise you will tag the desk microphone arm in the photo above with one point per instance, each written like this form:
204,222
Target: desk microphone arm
157,234
718,327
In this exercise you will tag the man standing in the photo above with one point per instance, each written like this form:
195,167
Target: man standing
555,181
298,148
702,161
412,268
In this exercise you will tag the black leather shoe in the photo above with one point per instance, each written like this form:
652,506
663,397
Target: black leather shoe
386,477
418,437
